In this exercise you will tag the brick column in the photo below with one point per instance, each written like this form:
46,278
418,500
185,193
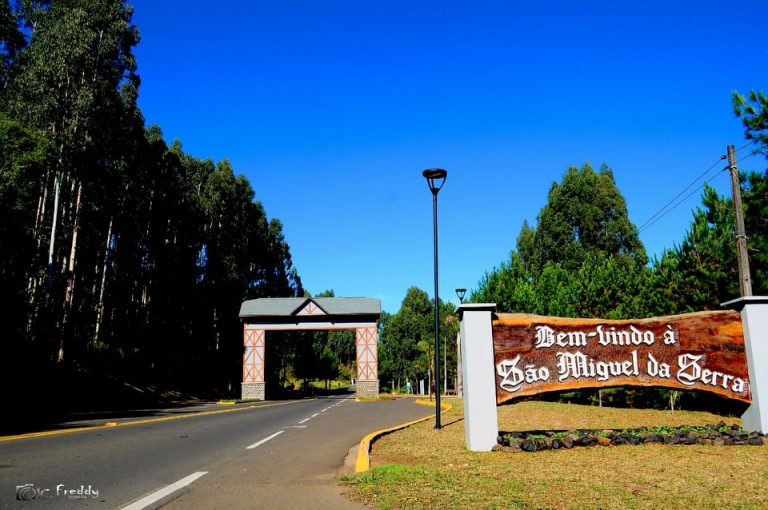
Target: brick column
254,341
367,380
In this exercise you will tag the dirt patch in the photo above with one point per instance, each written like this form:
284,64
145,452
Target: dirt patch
393,458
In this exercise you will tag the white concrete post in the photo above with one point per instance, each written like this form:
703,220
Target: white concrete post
754,317
481,426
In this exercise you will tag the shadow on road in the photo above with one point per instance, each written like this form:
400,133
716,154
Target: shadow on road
78,406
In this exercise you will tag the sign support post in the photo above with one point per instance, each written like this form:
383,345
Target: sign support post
754,317
481,425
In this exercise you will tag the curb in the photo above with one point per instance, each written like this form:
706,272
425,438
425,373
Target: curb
363,462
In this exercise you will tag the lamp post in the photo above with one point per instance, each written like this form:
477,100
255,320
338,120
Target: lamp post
459,382
435,179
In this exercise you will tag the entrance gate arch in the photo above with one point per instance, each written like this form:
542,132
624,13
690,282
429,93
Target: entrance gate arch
307,314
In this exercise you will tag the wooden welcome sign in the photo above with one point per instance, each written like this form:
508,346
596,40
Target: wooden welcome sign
701,351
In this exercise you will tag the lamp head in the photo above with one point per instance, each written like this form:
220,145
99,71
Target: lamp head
435,178
461,293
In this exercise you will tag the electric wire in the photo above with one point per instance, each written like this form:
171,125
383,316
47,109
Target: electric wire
674,202
750,155
753,142
671,204
689,195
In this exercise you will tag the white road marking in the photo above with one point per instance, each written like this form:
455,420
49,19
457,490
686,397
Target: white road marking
299,426
316,414
305,420
165,491
259,443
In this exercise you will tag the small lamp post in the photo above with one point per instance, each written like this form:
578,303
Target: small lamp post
459,382
436,179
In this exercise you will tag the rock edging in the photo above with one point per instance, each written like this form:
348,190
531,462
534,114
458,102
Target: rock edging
713,435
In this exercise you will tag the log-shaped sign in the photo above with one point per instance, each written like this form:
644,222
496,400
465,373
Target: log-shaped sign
702,351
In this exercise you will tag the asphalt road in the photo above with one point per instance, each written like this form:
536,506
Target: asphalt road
265,455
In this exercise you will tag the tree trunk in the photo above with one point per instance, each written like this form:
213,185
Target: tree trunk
54,223
216,334
445,368
35,279
42,202
429,382
70,292
100,305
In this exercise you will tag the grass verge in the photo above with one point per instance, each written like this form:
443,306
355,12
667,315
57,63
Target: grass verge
421,468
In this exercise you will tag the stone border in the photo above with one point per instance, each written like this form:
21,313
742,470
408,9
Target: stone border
712,435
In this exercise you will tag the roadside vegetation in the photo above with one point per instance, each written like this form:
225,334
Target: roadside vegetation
421,468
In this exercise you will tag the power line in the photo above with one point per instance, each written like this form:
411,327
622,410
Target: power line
750,155
669,205
672,204
647,225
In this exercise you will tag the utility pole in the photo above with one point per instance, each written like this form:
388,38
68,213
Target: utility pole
745,284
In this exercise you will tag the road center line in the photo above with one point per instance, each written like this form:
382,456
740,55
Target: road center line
259,443
165,491
316,414
305,420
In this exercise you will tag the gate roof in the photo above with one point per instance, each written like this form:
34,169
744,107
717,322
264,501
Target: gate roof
263,309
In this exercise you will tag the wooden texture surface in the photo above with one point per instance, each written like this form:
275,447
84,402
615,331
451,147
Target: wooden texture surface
703,351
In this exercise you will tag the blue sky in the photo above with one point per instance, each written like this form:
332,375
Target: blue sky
333,108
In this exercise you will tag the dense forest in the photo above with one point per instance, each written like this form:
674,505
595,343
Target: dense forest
122,259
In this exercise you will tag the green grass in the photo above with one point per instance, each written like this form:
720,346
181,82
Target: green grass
333,384
422,468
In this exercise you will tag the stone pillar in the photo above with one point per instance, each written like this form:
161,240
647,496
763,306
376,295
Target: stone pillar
481,426
366,345
254,341
754,317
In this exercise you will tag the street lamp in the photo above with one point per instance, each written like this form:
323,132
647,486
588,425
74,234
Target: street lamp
459,383
436,179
